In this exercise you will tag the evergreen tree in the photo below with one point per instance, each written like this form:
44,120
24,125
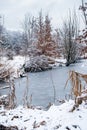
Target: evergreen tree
50,46
48,36
40,33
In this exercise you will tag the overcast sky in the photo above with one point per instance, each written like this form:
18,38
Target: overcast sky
14,10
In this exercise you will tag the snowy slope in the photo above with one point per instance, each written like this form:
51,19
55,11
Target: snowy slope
56,118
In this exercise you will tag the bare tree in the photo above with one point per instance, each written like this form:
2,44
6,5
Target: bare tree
69,35
83,7
4,38
1,34
29,34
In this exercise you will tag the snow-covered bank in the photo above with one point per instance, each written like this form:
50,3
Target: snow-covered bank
18,61
56,118
15,64
41,63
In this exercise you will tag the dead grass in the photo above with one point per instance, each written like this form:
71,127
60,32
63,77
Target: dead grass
78,88
27,100
12,96
5,71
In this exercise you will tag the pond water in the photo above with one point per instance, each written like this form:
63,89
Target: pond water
41,85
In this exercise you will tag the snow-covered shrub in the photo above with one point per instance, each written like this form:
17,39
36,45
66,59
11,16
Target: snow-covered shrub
37,64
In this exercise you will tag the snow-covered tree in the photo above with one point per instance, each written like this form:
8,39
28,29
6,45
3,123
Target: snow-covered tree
82,39
3,38
45,42
51,46
48,29
40,29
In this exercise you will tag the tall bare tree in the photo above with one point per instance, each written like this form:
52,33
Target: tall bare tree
29,32
69,35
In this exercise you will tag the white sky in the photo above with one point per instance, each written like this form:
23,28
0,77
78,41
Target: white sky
14,10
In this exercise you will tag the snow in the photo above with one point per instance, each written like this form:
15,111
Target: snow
57,117
16,64
84,63
62,60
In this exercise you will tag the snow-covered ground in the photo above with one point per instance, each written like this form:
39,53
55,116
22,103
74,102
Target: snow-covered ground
16,64
56,118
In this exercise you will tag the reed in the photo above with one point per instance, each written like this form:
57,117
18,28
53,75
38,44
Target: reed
27,100
12,96
78,88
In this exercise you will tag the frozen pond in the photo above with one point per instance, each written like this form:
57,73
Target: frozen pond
41,85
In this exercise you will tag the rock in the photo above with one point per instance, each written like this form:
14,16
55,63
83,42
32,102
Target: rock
4,100
2,127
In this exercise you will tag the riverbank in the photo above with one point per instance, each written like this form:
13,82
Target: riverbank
16,64
56,118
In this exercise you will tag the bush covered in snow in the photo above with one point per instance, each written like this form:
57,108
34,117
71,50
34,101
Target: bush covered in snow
37,64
